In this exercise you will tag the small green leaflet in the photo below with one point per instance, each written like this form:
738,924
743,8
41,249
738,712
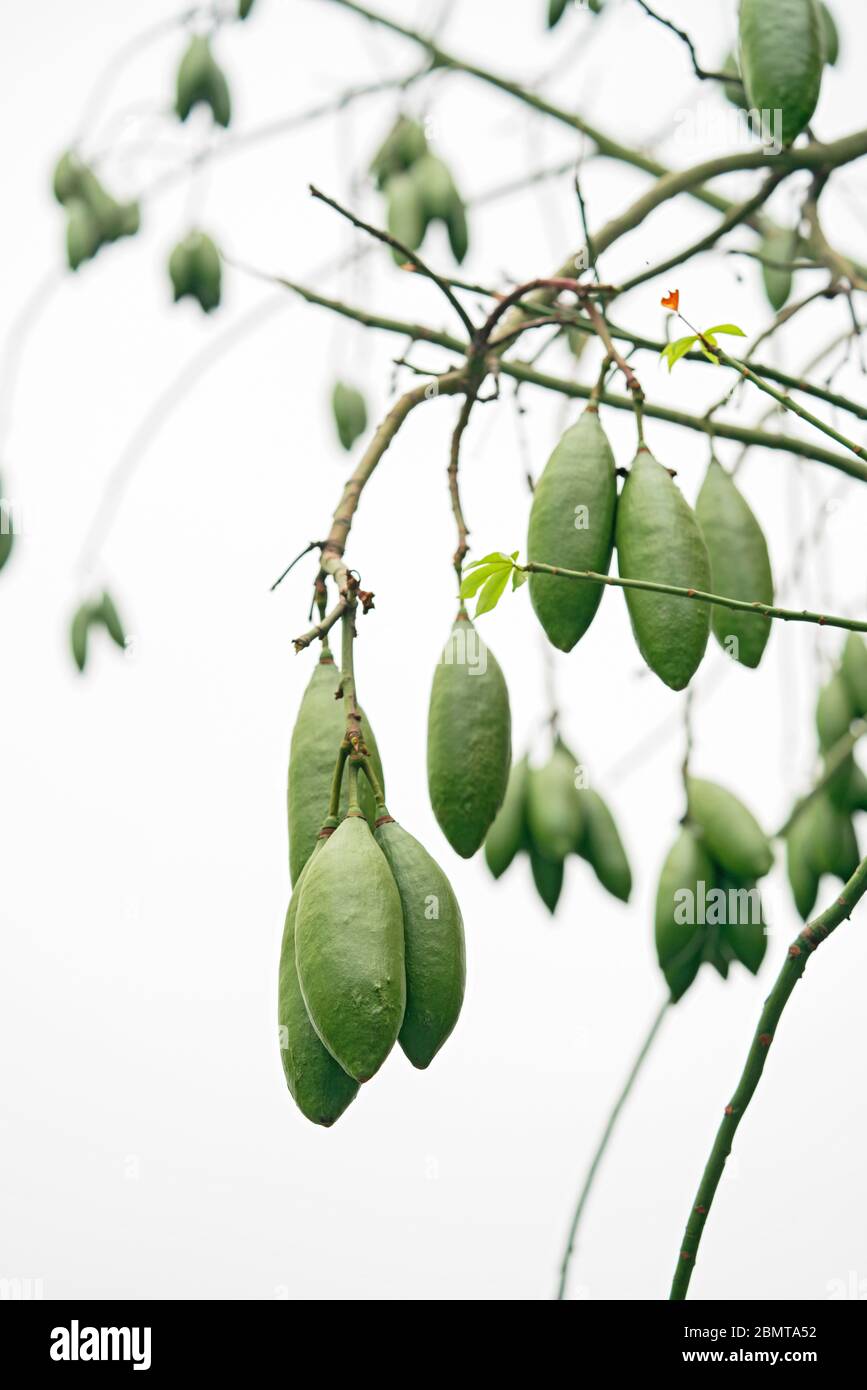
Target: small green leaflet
491,575
672,352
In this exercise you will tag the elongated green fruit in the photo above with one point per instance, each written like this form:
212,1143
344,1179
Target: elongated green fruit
739,565
834,715
349,949
803,877
658,538
403,145
404,213
350,413
734,91
108,615
508,833
458,231
554,811
601,845
7,531
548,878
78,634
556,11
743,934
781,58
778,245
468,740
732,834
687,877
830,36
829,838
854,673
433,936
244,8
435,185
316,738
320,1087
195,269
200,79
857,789
82,234
572,525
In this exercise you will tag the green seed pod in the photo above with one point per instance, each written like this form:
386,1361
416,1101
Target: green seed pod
458,231
830,36
778,246
7,531
803,878
739,565
404,144
854,673
556,11
320,1087
436,187
107,614
244,8
741,936
200,79
577,342
316,738
548,878
196,270
468,739
857,789
508,833
82,234
731,832
829,837
350,413
404,214
734,91
78,634
659,539
433,937
554,810
834,715
572,525
601,845
687,876
66,182
349,949
781,58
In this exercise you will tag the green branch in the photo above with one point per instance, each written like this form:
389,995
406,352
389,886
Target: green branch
789,615
807,941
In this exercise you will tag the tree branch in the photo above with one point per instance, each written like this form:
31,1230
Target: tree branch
799,953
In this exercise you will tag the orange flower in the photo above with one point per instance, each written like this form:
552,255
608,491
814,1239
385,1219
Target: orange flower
671,301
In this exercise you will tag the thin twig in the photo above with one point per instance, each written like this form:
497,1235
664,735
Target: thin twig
704,73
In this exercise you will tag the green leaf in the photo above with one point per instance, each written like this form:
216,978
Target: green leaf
493,591
710,356
495,557
679,348
473,582
730,328
519,577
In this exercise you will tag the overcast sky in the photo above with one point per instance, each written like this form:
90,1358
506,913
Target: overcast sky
151,1147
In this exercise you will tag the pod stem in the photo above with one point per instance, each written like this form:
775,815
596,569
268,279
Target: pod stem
337,779
366,765
347,677
354,809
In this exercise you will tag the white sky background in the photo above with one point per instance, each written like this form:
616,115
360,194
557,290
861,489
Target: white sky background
151,1148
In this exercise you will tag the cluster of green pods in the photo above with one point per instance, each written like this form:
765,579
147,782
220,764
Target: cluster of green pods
548,814
577,520
93,217
419,189
373,943
821,838
708,907
195,270
201,81
97,613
